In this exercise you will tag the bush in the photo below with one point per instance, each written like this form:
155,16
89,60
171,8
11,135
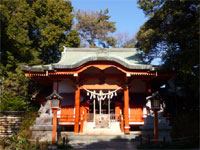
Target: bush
9,102
20,140
186,124
14,91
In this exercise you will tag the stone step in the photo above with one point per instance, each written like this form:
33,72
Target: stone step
84,137
114,129
102,132
113,125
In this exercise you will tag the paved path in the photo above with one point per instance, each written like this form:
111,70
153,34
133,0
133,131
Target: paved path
104,145
103,142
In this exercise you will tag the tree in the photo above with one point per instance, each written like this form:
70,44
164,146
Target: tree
172,33
95,27
53,28
171,30
32,32
15,44
125,40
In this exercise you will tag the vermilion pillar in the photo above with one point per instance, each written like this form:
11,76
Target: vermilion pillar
126,107
54,130
54,127
77,109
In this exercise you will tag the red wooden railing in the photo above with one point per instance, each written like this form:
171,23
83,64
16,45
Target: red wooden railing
67,118
136,118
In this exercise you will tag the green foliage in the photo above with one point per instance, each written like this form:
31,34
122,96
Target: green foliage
185,125
150,6
22,143
33,31
10,102
95,27
16,16
65,146
20,140
14,91
28,121
172,33
18,143
52,28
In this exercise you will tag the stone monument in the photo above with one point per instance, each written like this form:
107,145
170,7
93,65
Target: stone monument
42,129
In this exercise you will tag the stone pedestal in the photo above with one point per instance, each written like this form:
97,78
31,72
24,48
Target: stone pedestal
42,128
163,128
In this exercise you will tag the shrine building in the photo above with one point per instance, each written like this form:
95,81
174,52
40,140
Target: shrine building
101,88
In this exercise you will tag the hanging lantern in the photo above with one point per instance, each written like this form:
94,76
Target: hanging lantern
88,93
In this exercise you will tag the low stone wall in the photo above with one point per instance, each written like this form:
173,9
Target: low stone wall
9,125
10,122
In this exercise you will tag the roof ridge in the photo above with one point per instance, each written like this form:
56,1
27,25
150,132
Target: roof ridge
101,49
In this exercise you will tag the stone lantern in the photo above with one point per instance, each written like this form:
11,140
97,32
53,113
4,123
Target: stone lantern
155,106
55,99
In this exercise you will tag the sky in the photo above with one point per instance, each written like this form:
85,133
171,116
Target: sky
125,13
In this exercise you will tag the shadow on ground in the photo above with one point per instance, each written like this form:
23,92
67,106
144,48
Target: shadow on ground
117,143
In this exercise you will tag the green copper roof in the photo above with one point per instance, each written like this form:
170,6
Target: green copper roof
75,57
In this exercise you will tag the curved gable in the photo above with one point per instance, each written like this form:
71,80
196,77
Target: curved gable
75,57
